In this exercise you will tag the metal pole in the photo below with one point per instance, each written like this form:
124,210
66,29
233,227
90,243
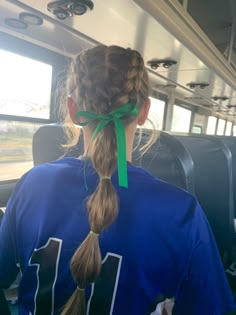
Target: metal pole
185,4
169,112
231,44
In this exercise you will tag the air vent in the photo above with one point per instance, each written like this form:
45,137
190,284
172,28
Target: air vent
154,64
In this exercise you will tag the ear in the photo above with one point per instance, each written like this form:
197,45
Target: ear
143,112
71,108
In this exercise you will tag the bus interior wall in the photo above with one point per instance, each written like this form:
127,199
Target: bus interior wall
189,49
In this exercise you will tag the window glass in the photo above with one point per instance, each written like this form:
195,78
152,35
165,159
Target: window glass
199,120
234,130
228,128
221,127
211,125
25,86
181,119
15,148
197,129
156,114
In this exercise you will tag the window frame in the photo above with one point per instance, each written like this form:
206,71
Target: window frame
164,98
29,50
37,53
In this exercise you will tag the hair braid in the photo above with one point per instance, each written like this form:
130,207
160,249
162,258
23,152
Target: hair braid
104,78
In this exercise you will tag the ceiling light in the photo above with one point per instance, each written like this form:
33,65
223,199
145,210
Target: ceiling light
165,63
220,98
30,19
15,23
201,85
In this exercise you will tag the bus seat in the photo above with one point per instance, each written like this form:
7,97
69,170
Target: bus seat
213,184
167,159
231,144
48,143
1,215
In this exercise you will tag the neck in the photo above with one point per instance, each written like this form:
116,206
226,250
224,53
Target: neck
129,134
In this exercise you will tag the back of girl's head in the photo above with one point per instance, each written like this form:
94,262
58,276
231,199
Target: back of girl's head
102,79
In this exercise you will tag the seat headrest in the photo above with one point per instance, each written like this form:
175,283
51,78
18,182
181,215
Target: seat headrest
48,143
166,158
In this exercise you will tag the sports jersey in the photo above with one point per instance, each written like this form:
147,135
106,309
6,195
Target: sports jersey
159,247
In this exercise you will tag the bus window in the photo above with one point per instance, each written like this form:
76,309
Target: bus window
221,127
211,125
181,119
15,148
198,123
25,86
197,129
234,130
25,97
228,128
156,114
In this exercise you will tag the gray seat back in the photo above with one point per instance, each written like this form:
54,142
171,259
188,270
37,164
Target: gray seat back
48,143
167,159
231,144
213,184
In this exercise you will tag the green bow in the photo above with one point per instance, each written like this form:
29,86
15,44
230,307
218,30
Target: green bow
115,116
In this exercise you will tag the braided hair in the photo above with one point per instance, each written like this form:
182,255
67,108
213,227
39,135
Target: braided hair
102,80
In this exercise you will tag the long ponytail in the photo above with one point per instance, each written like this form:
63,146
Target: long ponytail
105,78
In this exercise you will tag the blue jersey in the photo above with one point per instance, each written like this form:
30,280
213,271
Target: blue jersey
159,247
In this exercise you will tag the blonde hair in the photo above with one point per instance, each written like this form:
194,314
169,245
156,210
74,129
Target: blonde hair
102,79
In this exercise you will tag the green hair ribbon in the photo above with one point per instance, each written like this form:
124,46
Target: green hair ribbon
115,116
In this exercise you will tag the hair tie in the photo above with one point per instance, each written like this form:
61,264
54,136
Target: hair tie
78,288
96,234
114,116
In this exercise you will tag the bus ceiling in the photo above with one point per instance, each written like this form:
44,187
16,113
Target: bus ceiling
188,53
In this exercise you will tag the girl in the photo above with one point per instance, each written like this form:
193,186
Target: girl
87,238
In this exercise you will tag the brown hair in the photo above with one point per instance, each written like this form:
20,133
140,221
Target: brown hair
102,79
